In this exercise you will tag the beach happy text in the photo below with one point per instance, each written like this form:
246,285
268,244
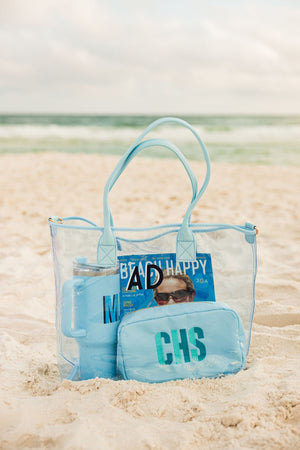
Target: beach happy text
149,274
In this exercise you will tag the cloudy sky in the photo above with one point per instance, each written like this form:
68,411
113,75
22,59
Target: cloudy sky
141,56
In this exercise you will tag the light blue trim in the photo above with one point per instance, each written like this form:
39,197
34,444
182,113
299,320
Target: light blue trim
56,221
186,249
197,227
250,238
205,230
74,372
254,252
85,220
75,366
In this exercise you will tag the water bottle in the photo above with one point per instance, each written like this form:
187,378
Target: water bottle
90,313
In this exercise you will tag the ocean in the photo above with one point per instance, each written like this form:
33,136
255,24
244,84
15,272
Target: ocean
231,139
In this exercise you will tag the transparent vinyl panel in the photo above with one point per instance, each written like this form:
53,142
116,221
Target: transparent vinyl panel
92,300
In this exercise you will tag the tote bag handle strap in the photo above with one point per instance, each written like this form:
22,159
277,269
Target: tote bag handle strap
123,163
186,246
185,124
106,252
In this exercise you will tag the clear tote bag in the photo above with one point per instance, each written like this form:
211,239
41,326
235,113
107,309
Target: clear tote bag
157,303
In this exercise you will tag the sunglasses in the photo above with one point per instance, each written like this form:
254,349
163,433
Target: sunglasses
163,297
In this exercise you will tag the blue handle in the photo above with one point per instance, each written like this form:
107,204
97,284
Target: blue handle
121,166
186,246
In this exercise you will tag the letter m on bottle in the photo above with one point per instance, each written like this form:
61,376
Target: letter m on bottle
111,308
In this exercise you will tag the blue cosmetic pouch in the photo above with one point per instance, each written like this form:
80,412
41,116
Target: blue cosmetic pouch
187,340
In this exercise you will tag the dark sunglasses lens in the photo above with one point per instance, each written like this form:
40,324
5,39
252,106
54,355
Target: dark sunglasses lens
180,294
162,297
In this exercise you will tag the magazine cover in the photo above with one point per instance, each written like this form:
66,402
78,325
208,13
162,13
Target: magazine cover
157,280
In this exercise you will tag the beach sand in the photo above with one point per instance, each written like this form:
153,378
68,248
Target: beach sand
256,408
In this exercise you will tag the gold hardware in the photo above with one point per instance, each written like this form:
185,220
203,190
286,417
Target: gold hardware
58,220
256,229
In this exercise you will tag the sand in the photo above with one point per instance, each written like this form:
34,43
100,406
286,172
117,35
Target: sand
256,408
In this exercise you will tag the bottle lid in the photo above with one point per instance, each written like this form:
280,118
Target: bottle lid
82,268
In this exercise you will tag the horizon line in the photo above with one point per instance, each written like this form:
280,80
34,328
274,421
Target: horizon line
141,114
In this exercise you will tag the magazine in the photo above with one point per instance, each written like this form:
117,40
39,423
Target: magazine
157,280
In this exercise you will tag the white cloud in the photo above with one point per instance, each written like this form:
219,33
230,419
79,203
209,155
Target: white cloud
193,56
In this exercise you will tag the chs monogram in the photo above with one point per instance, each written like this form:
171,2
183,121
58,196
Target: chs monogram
173,348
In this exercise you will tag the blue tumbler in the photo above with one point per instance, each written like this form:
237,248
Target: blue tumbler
90,313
